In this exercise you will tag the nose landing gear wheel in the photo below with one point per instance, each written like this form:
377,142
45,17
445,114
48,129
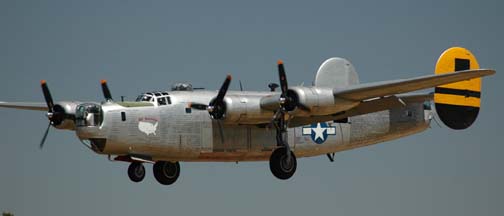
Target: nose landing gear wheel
166,173
136,172
280,165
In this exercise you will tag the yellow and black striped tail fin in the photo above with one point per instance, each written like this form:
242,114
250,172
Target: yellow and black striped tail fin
457,104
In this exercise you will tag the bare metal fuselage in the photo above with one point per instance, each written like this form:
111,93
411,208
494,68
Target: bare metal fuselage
175,132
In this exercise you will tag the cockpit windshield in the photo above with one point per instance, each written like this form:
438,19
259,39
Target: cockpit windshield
156,98
141,98
88,115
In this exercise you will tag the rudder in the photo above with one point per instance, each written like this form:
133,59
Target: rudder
457,104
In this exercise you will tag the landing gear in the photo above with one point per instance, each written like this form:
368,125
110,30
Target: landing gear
283,161
166,173
282,166
136,172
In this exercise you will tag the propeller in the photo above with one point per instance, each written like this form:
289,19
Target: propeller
47,95
106,91
41,145
217,106
55,114
289,100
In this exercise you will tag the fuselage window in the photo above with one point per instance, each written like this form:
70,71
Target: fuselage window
123,116
343,120
427,105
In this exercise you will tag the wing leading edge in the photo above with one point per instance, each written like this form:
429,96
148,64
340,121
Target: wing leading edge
24,105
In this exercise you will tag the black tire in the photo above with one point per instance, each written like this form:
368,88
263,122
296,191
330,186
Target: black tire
136,172
279,166
166,173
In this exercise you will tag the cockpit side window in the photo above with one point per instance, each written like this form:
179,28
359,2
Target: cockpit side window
168,99
161,101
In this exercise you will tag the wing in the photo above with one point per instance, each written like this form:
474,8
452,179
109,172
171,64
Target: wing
369,106
25,105
380,89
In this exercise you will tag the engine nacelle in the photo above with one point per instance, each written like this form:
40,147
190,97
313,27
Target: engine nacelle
316,101
245,109
319,101
259,108
68,109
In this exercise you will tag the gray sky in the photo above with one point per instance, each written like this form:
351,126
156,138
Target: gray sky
145,45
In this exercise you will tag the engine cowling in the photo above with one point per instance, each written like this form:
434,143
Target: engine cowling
64,115
245,110
315,101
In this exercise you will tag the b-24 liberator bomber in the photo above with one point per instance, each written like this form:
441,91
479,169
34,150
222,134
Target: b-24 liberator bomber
336,113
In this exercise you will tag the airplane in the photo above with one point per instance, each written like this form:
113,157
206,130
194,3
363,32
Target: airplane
336,113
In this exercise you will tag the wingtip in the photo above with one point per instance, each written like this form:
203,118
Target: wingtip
43,82
280,62
103,81
484,72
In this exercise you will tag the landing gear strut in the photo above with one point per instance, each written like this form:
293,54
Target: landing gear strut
283,161
165,172
136,172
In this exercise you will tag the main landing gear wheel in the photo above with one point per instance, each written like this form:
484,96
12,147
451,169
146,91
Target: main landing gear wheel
282,166
136,172
166,173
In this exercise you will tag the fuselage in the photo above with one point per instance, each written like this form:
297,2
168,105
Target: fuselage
173,131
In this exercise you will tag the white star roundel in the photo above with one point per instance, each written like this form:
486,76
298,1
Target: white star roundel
319,132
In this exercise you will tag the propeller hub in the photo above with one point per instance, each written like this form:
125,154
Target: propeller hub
210,109
282,100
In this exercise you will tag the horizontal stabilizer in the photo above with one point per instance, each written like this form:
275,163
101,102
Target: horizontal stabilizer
385,88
